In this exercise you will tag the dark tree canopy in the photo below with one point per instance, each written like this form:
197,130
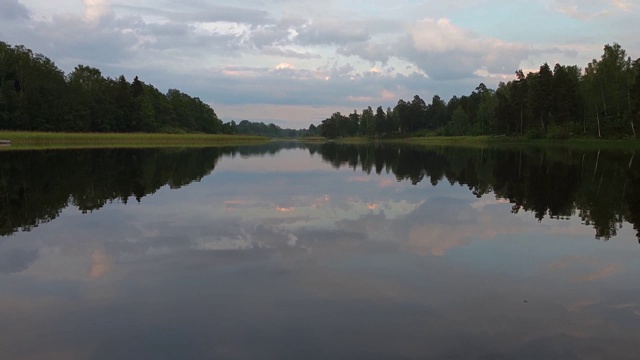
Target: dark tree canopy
37,96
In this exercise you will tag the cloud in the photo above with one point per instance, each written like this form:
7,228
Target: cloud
288,53
190,12
439,36
94,10
16,260
600,274
100,264
591,9
13,10
583,268
623,5
445,51
331,32
373,51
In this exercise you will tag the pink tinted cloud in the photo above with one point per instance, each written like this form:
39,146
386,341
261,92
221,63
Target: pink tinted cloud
100,264
384,183
603,273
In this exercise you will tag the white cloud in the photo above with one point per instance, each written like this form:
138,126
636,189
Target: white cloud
431,35
94,10
445,51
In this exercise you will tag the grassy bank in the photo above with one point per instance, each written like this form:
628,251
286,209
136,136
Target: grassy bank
449,140
485,140
592,143
82,140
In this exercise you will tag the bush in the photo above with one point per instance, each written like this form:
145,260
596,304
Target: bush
533,134
559,132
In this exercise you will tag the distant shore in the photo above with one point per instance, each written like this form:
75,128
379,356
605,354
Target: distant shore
25,139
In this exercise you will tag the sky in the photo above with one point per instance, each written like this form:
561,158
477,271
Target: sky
296,62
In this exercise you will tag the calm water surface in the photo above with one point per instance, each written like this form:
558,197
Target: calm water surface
291,251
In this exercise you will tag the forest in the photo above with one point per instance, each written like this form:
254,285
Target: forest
601,100
35,95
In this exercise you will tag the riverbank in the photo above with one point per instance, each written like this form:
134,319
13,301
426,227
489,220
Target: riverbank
593,143
25,139
484,141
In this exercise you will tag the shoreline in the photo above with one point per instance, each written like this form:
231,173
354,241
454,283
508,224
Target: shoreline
485,140
45,140
62,140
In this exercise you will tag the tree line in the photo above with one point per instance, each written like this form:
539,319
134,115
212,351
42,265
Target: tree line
602,100
35,95
246,127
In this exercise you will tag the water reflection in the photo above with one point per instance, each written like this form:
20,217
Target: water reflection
257,259
599,187
36,185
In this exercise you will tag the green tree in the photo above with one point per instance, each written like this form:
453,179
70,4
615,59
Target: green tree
519,94
460,121
541,96
354,123
403,116
417,114
566,95
486,113
436,114
634,94
380,120
368,123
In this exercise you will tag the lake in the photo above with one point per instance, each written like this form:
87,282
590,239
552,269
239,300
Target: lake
320,251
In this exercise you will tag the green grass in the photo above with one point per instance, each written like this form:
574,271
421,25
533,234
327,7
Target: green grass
24,139
312,139
574,143
450,140
486,140
355,140
481,141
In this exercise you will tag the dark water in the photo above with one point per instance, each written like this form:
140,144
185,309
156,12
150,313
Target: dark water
291,251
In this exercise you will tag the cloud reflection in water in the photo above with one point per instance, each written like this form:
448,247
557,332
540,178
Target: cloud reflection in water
235,266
